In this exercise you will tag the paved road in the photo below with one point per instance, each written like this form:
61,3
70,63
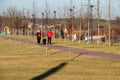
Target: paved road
74,50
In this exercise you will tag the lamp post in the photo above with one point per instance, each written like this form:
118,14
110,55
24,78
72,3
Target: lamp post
17,26
33,26
23,25
26,23
70,26
70,31
42,29
91,23
98,14
71,16
73,12
54,24
109,6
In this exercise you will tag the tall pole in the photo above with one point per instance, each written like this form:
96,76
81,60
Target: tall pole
70,29
70,32
33,26
24,25
54,24
91,21
42,29
71,10
109,23
28,20
13,25
23,22
88,14
17,26
80,24
33,18
73,16
98,13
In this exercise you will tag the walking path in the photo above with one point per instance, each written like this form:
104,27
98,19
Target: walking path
74,50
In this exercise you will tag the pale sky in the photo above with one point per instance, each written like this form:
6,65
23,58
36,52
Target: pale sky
59,4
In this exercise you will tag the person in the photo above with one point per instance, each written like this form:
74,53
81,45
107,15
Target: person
38,36
74,37
49,36
62,33
66,33
86,35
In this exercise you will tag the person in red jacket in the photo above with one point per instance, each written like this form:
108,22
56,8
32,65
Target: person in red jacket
49,36
38,36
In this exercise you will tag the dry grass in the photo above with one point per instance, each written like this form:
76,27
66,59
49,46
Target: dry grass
20,61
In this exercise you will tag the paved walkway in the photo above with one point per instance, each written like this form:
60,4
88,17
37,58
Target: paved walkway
74,50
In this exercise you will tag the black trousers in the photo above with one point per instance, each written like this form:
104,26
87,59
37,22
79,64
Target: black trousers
62,35
38,40
49,40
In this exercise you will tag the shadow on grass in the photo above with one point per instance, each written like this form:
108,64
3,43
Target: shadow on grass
77,56
57,52
49,72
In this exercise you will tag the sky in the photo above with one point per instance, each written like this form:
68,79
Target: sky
58,6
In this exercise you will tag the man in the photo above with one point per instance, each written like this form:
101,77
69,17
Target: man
49,36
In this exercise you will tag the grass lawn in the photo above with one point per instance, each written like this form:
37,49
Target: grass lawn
20,61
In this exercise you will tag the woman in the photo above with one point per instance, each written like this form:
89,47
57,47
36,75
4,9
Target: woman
38,36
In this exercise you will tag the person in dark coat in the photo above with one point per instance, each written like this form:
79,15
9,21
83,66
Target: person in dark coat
62,33
38,36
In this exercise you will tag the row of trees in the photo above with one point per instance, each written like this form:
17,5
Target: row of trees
18,21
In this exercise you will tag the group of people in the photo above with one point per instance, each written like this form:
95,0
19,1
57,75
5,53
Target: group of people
49,37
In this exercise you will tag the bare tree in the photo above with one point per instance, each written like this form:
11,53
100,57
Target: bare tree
47,12
117,20
12,12
11,16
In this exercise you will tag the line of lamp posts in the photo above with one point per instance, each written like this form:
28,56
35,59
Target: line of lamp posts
71,10
42,29
91,20
44,22
24,26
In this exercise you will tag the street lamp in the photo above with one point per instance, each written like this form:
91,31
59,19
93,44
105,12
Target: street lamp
54,24
42,29
73,12
91,22
33,26
71,16
17,26
24,25
70,26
